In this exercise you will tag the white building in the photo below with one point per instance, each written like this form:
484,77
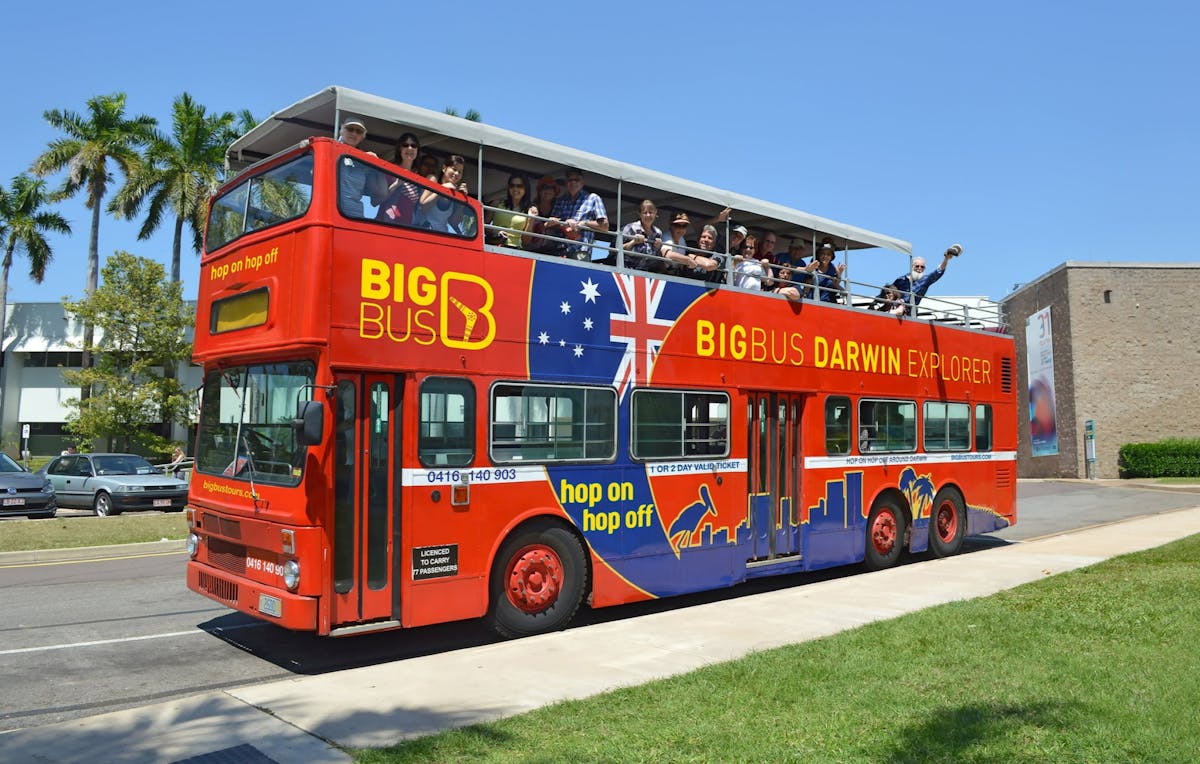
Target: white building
40,342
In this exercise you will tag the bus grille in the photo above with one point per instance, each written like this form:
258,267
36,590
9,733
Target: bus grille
226,591
227,556
224,526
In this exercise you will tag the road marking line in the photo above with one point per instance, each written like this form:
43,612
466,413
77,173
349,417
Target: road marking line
101,642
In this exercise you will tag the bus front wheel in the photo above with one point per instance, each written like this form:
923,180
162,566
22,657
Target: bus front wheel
948,525
885,535
538,582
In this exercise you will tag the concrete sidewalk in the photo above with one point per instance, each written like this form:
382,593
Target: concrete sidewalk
308,719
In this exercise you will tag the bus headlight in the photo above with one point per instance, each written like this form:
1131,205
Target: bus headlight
193,545
291,574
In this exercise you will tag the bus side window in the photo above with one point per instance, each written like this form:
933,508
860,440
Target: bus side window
866,425
837,425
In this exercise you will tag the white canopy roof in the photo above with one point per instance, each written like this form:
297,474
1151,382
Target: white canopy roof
505,150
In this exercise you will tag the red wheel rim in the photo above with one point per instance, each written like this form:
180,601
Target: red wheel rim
883,533
946,521
534,578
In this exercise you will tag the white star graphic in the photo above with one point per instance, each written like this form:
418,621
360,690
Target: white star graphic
587,324
543,338
590,291
565,307
562,343
579,351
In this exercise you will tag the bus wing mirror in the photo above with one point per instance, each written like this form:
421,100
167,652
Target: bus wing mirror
309,424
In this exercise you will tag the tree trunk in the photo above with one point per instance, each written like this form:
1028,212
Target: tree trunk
176,246
93,280
4,269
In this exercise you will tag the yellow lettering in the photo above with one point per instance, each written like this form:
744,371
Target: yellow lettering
704,338
375,280
737,342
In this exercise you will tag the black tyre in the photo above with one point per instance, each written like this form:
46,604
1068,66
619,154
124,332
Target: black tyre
947,523
538,582
102,505
885,535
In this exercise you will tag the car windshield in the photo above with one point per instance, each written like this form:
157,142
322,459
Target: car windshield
122,464
8,465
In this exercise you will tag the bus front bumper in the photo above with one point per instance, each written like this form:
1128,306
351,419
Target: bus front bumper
278,606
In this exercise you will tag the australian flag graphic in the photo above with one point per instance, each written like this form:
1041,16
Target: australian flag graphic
600,328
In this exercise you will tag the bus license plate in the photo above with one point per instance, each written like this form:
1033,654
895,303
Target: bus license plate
162,502
268,605
18,502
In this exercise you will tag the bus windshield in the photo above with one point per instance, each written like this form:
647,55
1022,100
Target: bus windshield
281,193
245,429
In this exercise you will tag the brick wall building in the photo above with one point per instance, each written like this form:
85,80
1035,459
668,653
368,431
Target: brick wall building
1126,343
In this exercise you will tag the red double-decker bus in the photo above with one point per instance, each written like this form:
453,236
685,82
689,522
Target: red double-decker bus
401,424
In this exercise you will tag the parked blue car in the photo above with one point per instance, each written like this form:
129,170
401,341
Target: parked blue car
110,484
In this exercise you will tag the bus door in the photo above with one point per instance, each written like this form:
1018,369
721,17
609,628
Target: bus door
774,481
366,499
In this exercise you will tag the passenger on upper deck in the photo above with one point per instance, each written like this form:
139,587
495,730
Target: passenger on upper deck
889,301
918,281
687,263
578,215
785,283
737,236
400,198
429,167
547,192
747,270
795,254
435,210
642,240
514,205
353,176
825,276
708,243
766,246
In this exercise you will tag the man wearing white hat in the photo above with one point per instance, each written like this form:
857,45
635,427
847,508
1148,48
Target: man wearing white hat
352,175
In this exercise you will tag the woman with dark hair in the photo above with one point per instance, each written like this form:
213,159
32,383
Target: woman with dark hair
514,207
436,209
401,199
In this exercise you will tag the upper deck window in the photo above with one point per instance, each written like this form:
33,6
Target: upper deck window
272,196
366,192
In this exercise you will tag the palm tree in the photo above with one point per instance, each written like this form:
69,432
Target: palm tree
472,115
180,172
23,228
105,134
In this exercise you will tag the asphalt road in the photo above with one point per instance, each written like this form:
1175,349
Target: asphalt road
84,638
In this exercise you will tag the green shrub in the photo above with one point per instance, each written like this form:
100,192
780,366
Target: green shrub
1173,457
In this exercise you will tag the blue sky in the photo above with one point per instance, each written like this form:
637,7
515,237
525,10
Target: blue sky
1031,132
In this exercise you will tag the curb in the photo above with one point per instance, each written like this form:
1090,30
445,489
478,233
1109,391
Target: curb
87,553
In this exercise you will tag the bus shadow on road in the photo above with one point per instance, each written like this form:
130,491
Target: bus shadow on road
304,653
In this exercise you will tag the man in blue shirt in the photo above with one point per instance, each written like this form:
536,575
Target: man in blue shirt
919,280
577,215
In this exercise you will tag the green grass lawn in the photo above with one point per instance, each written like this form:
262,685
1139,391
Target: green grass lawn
1096,665
19,535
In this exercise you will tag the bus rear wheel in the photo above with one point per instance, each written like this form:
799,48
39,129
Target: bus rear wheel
948,524
538,582
885,535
